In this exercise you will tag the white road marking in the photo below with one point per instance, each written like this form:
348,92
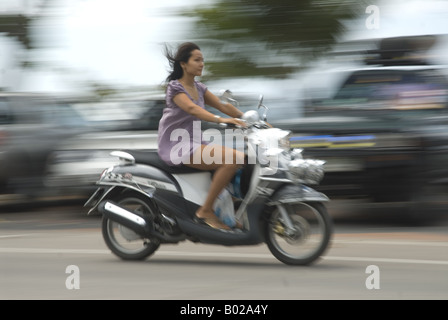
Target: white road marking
394,243
389,260
17,235
57,251
220,254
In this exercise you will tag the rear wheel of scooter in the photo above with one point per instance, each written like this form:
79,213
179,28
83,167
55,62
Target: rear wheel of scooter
312,229
124,242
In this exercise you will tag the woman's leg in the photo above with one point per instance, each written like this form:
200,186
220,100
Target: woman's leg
224,173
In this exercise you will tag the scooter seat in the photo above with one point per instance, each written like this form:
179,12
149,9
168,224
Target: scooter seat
151,157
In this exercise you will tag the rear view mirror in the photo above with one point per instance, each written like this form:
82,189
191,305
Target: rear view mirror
227,95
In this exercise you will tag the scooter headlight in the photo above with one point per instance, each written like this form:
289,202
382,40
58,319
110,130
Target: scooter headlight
307,170
284,142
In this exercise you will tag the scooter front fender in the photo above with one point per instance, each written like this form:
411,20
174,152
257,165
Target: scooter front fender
296,193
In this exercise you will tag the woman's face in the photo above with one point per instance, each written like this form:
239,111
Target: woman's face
195,64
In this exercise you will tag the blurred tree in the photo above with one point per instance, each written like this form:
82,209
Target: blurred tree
17,26
269,37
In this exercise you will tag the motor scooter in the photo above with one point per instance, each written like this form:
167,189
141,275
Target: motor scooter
146,203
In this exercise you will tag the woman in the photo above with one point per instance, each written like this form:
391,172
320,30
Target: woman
185,107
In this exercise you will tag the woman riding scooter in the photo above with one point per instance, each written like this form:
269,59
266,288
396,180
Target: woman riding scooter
185,104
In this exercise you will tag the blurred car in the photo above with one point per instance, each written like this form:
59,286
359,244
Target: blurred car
384,133
31,125
122,123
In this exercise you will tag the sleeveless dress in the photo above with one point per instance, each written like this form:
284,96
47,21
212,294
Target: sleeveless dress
179,133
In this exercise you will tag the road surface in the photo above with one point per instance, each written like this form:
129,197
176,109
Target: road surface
58,253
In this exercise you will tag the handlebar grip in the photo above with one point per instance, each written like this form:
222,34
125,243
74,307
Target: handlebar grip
226,125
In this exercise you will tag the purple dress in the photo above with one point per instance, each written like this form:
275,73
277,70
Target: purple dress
179,132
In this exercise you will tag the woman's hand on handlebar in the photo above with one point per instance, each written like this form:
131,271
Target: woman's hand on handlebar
234,121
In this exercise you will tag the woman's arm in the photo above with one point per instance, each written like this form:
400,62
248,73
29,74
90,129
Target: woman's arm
185,103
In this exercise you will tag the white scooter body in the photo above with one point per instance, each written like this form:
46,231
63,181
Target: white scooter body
194,186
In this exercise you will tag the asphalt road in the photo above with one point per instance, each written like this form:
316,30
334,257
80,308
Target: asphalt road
58,253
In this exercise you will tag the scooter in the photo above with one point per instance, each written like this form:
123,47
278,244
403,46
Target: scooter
146,203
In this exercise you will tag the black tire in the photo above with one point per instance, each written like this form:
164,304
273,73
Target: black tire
122,241
313,230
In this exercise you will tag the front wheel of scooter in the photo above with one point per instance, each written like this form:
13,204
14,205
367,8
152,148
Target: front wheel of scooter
124,242
306,241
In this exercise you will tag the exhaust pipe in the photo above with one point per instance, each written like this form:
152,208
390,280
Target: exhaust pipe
136,223
124,217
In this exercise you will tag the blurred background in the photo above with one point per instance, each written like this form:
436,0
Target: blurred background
362,84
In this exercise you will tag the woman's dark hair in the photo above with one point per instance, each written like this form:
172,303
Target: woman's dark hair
183,55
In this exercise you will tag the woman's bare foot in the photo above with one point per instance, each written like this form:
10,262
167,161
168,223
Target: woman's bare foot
209,218
238,225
